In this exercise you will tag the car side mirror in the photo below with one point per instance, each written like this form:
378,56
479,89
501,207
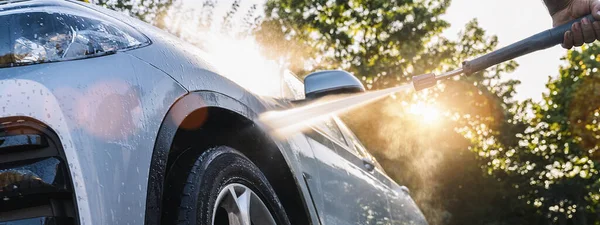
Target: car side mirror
331,82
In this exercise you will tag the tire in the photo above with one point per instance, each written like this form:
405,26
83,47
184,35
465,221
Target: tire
215,172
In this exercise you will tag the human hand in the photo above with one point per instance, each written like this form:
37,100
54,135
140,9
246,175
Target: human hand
581,32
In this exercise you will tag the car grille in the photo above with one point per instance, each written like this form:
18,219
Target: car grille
35,186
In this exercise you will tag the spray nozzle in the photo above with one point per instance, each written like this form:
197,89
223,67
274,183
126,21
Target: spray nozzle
425,81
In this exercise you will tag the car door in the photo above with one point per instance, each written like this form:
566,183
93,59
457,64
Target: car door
402,208
340,188
350,193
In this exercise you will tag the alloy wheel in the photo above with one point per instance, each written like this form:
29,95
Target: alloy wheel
239,205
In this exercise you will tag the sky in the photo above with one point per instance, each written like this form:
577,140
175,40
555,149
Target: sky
511,21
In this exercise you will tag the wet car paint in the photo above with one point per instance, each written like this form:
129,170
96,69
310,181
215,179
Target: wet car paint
106,116
108,111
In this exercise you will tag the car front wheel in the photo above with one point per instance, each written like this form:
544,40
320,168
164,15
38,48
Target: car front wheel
225,187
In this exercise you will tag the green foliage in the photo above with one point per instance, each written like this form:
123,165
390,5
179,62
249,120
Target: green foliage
552,162
379,40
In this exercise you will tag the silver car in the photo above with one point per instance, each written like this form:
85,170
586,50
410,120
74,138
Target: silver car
105,119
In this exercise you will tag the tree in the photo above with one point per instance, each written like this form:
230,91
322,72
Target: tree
563,140
150,11
552,163
376,39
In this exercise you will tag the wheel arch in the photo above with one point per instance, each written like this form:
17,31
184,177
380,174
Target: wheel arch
191,112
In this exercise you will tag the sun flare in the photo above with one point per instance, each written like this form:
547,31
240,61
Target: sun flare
427,113
241,61
234,54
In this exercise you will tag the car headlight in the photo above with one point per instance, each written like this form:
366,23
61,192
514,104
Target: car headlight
38,37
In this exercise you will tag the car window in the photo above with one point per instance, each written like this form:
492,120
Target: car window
354,143
330,128
293,88
351,139
51,35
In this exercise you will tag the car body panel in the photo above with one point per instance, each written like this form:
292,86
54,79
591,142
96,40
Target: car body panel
189,66
349,193
108,158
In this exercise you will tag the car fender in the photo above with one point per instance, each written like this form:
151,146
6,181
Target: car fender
185,106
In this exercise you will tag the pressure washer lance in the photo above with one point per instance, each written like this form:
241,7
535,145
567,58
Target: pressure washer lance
541,41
